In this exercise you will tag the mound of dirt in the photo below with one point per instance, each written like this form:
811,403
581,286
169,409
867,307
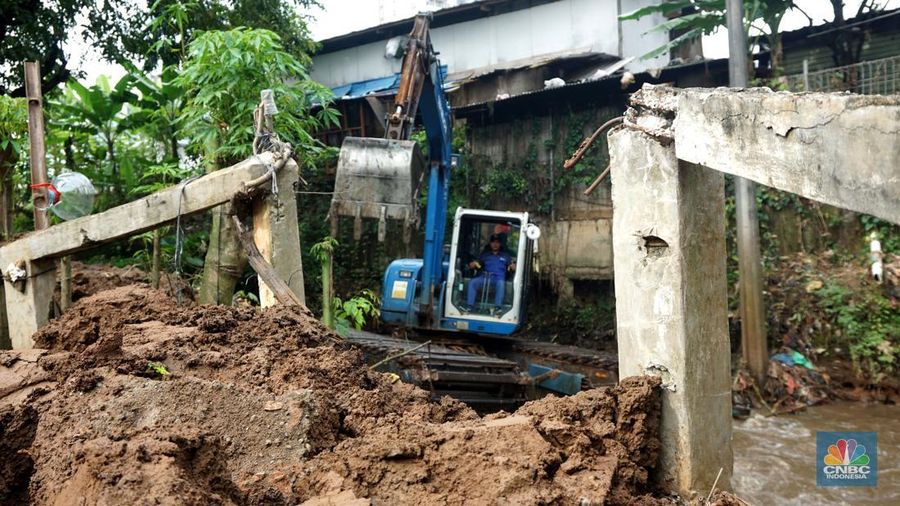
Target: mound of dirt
90,279
137,400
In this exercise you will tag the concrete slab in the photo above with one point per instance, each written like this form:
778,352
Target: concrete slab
836,148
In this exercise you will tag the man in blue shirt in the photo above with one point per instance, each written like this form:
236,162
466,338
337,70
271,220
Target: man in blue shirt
494,263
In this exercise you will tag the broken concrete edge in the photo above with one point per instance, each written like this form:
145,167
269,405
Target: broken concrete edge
836,148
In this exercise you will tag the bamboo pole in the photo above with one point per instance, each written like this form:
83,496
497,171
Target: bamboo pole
38,148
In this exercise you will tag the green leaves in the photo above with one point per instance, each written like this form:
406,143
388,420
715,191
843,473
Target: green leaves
324,249
704,17
356,311
13,124
224,74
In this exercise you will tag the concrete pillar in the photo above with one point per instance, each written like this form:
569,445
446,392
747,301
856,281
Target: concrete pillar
277,235
669,261
28,305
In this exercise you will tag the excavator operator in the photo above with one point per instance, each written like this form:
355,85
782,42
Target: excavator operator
494,263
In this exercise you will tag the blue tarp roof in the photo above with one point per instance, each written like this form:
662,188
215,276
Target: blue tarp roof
378,85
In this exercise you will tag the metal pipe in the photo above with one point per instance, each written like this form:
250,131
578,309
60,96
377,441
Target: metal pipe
38,148
753,330
737,44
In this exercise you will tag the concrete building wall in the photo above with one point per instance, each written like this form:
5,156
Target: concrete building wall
576,240
556,28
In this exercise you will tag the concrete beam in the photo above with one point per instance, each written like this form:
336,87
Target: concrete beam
28,301
835,148
669,261
135,217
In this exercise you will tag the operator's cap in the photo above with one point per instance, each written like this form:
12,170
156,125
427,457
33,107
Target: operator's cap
495,237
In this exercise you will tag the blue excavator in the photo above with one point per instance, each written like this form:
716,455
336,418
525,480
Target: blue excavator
382,179
474,287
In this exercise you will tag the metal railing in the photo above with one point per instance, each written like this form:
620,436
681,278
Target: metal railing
875,77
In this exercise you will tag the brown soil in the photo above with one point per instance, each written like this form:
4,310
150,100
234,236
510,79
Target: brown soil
137,400
89,279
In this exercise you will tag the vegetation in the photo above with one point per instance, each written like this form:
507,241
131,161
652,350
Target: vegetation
865,322
149,34
13,139
223,75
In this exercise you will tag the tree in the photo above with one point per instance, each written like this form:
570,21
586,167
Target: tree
223,76
98,110
161,34
34,30
763,20
703,17
13,140
126,31
846,45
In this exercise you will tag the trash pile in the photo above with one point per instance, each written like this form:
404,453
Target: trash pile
812,362
133,399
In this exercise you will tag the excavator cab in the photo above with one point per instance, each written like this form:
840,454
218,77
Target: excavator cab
383,179
488,271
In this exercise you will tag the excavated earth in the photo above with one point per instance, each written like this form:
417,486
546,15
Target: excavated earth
132,399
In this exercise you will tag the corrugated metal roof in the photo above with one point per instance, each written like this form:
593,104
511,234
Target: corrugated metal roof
379,86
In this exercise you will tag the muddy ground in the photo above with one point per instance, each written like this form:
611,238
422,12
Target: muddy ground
135,400
88,279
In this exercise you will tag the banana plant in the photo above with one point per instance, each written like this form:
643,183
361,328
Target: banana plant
762,18
13,140
157,113
99,112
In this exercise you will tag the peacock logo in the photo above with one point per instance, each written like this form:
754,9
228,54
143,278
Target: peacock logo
846,452
847,459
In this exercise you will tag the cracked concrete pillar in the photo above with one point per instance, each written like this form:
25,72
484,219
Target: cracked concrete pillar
29,301
669,259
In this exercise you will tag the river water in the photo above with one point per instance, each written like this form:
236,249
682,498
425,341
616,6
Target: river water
775,457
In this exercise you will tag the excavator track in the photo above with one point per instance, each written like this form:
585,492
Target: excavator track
479,380
487,374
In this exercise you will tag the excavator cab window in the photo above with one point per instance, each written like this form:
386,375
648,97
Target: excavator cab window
485,266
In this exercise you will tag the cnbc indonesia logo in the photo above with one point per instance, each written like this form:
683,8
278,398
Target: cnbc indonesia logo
844,459
847,460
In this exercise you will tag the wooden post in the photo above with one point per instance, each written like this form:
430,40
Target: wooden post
5,343
276,233
328,287
65,283
29,307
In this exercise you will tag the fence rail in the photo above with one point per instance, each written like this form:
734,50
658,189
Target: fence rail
875,77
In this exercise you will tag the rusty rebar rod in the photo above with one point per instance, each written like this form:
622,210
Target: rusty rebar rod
585,144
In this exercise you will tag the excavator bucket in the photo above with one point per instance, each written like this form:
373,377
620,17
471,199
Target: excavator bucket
378,179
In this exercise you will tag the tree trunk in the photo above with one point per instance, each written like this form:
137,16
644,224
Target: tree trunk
7,162
328,288
225,259
777,54
65,283
154,266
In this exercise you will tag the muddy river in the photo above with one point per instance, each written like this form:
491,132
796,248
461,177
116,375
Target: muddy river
774,457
